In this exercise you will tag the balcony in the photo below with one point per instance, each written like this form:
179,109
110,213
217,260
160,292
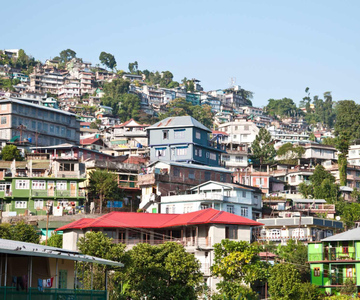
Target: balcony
52,293
334,254
315,208
128,184
186,242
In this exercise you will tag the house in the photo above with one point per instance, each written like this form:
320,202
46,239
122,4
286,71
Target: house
93,143
39,184
306,229
197,231
44,81
37,124
335,260
240,131
163,178
29,263
234,198
354,155
183,139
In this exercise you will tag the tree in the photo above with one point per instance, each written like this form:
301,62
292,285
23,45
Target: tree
166,271
19,232
285,284
262,147
99,245
56,240
133,67
290,153
10,152
67,55
237,262
322,186
281,108
296,253
104,185
129,107
181,107
107,60
349,212
93,125
166,78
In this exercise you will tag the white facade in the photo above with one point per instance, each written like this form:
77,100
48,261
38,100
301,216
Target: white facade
241,131
354,155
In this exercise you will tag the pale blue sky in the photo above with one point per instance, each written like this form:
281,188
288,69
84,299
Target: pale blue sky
273,48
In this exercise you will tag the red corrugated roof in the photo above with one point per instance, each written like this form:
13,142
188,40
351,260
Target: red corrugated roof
85,123
76,224
146,220
88,141
219,132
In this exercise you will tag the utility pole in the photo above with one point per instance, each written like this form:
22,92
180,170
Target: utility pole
21,128
36,138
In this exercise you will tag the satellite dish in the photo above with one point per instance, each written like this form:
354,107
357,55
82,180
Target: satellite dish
337,218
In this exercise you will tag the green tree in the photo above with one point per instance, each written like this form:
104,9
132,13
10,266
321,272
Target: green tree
104,185
56,240
282,108
236,263
322,186
19,232
113,92
10,152
284,282
107,60
93,125
166,78
296,253
290,153
262,147
349,212
67,55
133,67
99,245
166,271
129,107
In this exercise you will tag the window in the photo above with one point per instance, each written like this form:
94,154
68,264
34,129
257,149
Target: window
20,204
179,134
61,185
176,172
245,211
165,134
33,125
222,177
62,131
187,208
239,158
207,175
246,127
160,152
57,130
2,186
52,129
181,151
46,127
62,279
38,203
244,194
316,272
198,134
226,158
212,156
3,120
39,127
66,167
38,185
170,209
230,209
3,107
22,184
191,174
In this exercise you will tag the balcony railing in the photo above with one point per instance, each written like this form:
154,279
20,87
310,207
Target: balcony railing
52,293
333,254
339,279
315,207
186,242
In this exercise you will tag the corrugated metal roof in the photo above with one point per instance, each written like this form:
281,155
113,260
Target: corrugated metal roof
178,122
350,235
146,220
30,249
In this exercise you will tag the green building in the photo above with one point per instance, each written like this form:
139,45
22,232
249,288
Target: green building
29,187
335,260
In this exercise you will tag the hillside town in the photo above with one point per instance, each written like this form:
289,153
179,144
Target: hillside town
143,159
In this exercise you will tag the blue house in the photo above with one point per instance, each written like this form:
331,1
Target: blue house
183,139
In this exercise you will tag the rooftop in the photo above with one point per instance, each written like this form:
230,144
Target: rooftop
350,235
179,122
146,220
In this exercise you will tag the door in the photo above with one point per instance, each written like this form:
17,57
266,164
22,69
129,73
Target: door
51,188
72,189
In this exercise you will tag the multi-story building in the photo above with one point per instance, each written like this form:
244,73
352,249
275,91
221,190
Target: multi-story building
183,139
234,198
335,261
236,157
354,155
30,187
251,110
193,98
86,82
37,124
306,229
69,90
196,231
44,81
240,131
214,102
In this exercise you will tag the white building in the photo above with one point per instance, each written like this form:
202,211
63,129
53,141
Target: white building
230,197
354,155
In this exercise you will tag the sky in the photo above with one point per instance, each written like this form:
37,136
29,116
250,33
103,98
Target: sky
273,48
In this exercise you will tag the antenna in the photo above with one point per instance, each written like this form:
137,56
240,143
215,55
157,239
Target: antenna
232,82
